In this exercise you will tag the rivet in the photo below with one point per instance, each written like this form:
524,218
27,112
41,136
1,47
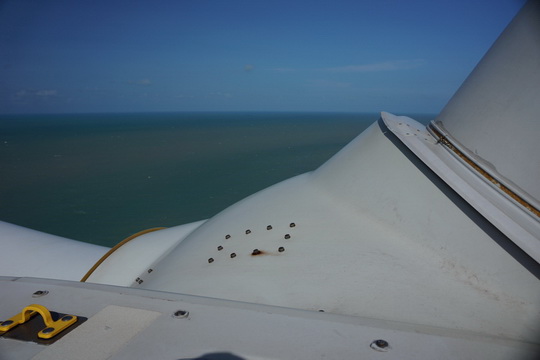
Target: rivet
180,314
6,323
47,330
233,255
256,252
292,225
269,227
67,318
40,293
211,260
287,236
248,231
281,249
220,248
227,236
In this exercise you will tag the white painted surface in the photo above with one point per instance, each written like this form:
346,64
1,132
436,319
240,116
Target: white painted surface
137,256
494,114
508,216
27,252
102,336
373,237
224,330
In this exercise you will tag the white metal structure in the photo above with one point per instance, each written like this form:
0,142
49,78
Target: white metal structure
411,242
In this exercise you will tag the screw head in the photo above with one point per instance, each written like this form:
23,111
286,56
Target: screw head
211,260
220,248
256,252
6,323
227,236
233,255
67,318
380,345
269,227
40,293
287,236
248,232
292,225
47,330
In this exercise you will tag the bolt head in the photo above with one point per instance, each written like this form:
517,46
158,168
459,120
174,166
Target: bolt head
47,330
6,323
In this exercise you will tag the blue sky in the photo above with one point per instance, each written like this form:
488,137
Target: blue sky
65,56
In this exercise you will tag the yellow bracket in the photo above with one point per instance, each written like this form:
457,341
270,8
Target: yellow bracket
52,328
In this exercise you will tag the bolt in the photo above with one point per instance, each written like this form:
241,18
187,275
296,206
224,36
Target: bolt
220,248
287,236
211,260
40,293
269,227
67,318
292,225
233,255
380,345
227,236
281,249
150,270
47,330
248,231
6,323
256,252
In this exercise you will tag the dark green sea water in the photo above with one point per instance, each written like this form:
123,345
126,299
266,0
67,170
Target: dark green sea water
102,177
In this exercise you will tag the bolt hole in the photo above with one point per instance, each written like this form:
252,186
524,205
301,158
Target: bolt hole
181,314
40,293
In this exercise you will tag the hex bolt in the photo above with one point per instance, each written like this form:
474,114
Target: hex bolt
67,318
292,225
150,270
380,345
269,227
233,255
220,248
47,330
281,249
287,236
40,293
227,236
248,232
211,260
6,323
256,252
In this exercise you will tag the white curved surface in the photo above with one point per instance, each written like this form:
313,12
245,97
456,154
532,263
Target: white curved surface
495,113
125,265
373,237
37,254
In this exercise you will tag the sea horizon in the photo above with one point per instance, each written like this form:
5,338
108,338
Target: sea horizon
101,177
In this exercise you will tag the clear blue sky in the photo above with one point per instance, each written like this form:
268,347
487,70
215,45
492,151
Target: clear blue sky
67,56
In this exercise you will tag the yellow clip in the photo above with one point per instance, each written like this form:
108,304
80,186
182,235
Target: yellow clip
51,327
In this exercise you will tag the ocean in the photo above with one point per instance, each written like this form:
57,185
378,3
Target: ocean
99,178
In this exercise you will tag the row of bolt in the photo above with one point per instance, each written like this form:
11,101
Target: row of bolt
269,227
254,252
